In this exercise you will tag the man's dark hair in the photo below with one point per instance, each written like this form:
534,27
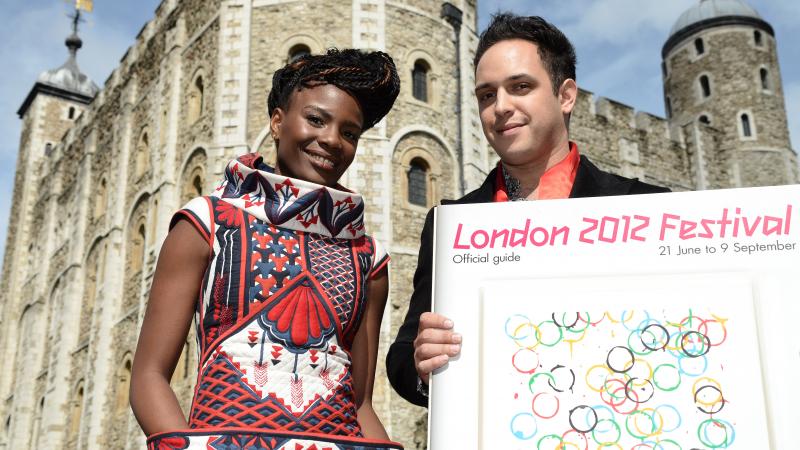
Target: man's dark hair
555,50
371,78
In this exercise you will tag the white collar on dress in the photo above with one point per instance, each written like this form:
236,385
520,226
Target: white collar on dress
252,186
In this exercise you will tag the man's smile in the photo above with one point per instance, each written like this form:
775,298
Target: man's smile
508,129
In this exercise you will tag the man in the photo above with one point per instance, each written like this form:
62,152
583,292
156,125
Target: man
526,90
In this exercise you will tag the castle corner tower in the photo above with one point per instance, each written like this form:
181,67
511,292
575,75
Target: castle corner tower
720,68
49,111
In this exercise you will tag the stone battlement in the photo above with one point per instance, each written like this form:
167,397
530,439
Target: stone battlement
622,115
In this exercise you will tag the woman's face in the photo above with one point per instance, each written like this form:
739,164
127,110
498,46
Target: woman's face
317,134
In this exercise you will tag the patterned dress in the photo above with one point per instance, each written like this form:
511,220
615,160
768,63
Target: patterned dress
280,304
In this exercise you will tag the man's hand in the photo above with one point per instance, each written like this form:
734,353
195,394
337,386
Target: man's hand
435,344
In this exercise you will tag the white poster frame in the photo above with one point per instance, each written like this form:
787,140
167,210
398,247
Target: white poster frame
692,223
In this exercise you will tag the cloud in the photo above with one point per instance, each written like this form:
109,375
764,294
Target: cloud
612,77
617,22
775,9
614,21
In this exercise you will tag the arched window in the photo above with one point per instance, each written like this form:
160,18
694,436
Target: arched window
192,184
153,219
200,88
419,80
31,258
746,129
137,249
162,130
76,411
704,119
758,38
764,74
699,46
196,98
123,385
142,155
37,423
137,233
71,113
193,175
89,297
298,51
100,199
197,184
48,149
418,182
705,86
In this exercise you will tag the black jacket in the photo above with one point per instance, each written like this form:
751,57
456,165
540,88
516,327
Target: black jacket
589,182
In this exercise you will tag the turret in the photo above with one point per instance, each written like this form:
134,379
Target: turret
720,68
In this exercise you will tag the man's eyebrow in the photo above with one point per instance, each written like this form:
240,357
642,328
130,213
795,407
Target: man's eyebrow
511,78
482,86
518,76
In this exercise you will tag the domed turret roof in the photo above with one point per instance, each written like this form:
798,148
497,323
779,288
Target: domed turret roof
712,9
67,81
69,77
713,13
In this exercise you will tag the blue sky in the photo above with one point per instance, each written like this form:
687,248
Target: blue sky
618,44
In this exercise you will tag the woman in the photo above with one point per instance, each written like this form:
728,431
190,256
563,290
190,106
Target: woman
286,289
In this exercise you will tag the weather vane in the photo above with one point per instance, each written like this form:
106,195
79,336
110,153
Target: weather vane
86,5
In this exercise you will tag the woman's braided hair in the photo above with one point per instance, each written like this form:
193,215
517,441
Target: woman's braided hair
371,78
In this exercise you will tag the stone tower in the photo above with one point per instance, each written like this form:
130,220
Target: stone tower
720,69
55,102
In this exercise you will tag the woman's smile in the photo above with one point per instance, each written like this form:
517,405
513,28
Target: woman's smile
319,160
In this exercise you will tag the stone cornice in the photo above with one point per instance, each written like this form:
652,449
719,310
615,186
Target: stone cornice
42,88
685,32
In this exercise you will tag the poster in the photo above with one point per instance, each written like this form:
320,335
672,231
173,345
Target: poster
665,362
662,321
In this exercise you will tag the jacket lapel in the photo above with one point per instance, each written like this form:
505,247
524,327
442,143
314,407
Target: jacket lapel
484,194
593,182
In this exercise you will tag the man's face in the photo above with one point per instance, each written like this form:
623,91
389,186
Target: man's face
521,116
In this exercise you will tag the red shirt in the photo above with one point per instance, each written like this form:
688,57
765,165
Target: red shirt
555,183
